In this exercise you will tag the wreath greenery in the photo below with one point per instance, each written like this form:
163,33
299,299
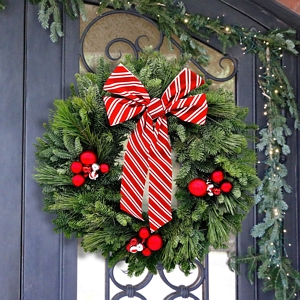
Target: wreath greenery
92,211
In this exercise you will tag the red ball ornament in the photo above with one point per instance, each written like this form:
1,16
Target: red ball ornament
78,180
144,233
128,247
146,252
88,157
76,167
104,168
226,186
133,242
154,242
198,187
87,169
216,191
217,176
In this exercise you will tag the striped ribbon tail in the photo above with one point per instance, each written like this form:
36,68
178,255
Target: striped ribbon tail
160,177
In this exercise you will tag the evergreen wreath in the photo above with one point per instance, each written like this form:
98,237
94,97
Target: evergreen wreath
215,152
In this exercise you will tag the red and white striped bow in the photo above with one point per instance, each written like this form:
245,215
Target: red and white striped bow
149,148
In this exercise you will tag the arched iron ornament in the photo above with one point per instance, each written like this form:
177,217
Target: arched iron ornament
129,290
136,47
181,291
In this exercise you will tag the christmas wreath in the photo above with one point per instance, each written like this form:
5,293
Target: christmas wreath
84,179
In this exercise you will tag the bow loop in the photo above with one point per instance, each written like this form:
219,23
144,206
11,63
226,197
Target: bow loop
134,99
149,150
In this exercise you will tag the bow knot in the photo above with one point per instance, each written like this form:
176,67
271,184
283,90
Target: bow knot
149,151
156,108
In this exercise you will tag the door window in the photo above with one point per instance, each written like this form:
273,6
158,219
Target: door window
113,35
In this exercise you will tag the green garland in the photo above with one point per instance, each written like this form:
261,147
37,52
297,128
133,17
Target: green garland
92,211
269,47
2,4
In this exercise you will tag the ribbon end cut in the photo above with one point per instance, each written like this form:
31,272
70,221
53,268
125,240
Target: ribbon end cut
136,214
154,226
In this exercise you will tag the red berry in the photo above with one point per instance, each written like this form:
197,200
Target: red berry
146,252
144,233
88,157
226,186
104,168
154,242
216,191
198,187
78,180
217,176
133,242
87,169
76,167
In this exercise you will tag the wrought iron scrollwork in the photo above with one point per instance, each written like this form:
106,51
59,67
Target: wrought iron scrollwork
129,290
180,291
183,291
136,48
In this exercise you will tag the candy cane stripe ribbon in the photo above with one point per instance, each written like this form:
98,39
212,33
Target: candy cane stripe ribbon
149,150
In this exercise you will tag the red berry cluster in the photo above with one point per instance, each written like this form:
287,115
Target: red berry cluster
145,243
214,186
87,167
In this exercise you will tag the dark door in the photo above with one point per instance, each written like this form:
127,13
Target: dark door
35,263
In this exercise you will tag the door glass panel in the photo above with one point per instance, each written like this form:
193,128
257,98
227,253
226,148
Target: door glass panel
112,36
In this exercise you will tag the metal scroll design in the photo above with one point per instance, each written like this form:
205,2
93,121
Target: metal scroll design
181,291
135,46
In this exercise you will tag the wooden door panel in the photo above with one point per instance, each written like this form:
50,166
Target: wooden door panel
11,111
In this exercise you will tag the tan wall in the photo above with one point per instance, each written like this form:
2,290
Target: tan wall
293,5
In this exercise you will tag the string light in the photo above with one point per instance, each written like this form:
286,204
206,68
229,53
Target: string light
186,20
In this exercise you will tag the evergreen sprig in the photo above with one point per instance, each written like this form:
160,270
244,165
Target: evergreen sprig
92,211
2,4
